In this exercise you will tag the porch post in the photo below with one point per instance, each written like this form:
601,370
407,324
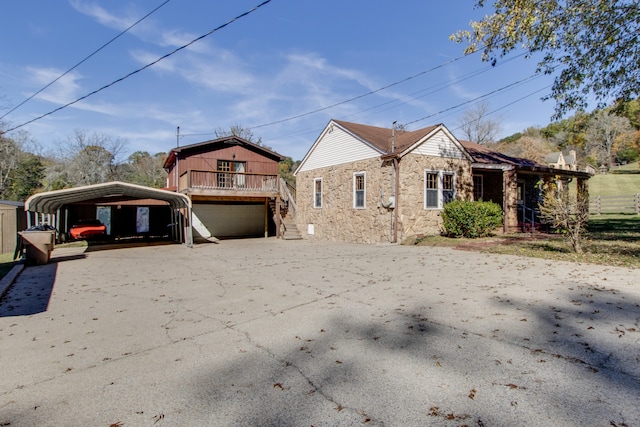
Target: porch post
509,198
278,216
266,217
582,196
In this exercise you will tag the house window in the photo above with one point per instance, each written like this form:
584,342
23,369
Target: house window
235,176
431,199
440,189
317,193
359,190
478,189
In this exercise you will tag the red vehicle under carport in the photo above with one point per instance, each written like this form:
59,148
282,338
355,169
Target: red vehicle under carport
87,229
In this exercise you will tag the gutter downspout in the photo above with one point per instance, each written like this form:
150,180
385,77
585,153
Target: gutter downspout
396,166
393,180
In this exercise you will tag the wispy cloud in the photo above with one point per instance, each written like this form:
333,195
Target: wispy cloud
64,90
103,16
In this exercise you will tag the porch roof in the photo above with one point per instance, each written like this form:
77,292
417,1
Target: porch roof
485,158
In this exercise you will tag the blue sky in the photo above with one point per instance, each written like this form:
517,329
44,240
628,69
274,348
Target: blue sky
286,59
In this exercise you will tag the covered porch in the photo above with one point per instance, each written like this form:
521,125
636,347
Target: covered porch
516,184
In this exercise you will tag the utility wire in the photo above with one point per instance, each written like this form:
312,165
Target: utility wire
346,101
84,60
406,79
303,132
242,15
475,99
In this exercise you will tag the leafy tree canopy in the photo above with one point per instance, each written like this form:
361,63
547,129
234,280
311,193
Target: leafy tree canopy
593,44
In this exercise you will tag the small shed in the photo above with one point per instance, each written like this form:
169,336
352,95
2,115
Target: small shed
12,220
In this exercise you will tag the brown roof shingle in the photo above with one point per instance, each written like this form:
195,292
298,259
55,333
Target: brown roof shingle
381,137
484,155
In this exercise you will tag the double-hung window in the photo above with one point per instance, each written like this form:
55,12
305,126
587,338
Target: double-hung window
440,188
317,193
359,190
431,190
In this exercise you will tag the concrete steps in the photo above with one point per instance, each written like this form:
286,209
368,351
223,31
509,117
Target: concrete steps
291,230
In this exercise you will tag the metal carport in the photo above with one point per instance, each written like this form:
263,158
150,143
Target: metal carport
51,202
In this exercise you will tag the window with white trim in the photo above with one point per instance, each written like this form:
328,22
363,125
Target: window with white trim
431,190
359,190
440,188
317,193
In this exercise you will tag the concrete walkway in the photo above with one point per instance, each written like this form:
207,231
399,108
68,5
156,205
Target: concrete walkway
272,332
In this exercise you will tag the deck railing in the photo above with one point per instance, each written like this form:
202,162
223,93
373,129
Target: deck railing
223,180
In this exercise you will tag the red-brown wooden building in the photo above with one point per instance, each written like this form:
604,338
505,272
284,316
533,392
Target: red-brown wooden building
233,185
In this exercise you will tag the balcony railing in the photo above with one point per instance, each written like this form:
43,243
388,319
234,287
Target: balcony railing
223,180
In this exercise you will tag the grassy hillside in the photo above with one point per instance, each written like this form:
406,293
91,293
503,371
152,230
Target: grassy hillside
616,184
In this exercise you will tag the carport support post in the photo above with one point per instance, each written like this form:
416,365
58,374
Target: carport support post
190,229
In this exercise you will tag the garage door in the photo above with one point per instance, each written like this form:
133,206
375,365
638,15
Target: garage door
237,220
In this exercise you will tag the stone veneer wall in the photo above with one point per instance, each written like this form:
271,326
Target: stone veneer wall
338,220
413,218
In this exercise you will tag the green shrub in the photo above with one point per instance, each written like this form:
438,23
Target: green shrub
471,219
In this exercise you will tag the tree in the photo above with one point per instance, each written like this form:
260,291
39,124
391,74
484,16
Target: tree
527,147
91,158
239,131
145,169
593,44
27,177
604,130
565,214
286,168
9,154
477,126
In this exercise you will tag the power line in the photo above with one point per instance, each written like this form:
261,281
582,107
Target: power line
242,15
475,99
84,60
431,90
406,79
435,88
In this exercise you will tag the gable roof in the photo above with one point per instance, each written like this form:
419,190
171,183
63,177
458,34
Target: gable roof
554,157
383,142
382,138
219,143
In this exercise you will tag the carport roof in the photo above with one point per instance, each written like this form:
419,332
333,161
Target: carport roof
51,201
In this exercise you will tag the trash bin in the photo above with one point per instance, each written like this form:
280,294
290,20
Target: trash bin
38,245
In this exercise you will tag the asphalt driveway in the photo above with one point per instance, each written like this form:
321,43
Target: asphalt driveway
272,332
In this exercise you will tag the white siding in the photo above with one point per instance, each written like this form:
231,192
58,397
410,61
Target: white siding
439,145
337,147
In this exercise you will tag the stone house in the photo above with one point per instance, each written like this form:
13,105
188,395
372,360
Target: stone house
369,184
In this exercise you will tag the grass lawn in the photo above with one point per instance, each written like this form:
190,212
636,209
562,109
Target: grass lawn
614,185
612,240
